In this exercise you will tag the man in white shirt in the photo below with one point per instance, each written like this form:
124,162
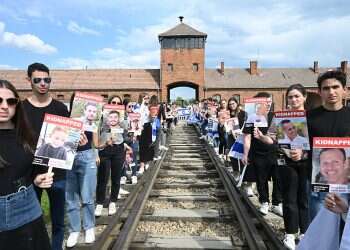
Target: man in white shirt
291,135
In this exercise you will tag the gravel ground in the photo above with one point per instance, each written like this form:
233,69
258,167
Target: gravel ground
156,204
181,228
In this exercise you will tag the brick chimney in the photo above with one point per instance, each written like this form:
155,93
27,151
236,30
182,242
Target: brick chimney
316,69
222,67
253,67
344,66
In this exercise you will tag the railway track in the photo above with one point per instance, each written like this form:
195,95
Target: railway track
186,200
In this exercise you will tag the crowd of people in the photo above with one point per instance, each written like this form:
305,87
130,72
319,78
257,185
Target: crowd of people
81,191
289,169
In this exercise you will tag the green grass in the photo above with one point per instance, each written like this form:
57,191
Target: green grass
46,207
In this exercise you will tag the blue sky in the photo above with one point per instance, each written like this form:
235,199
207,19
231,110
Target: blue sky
123,34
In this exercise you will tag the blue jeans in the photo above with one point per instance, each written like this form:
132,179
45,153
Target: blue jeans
81,187
56,194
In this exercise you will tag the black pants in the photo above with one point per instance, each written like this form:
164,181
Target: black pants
266,167
293,178
110,164
32,236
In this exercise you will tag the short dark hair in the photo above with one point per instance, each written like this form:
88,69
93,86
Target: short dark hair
37,67
298,87
263,94
328,149
332,74
285,121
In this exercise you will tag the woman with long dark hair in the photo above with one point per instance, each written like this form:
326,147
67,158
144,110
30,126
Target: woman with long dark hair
293,175
21,224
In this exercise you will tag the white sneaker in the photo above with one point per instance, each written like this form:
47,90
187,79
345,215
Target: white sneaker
73,239
123,180
249,191
112,209
146,166
141,171
301,236
119,196
123,191
165,148
90,235
277,209
289,241
133,179
264,209
98,210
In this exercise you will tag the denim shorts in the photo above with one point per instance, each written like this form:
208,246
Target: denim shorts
18,209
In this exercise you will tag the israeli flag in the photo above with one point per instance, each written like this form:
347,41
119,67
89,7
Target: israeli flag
323,232
237,149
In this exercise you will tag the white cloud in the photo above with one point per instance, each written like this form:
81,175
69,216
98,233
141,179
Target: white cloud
5,66
27,42
81,30
99,22
113,58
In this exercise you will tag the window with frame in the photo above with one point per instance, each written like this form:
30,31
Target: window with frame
170,67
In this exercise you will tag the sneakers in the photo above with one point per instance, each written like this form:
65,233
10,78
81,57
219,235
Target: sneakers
301,236
156,159
90,235
277,209
163,148
264,209
72,239
123,180
249,190
123,191
289,241
141,171
98,210
133,179
112,209
146,166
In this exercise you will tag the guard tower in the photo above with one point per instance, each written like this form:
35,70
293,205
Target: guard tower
182,59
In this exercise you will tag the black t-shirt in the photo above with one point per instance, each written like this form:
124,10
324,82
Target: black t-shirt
19,162
35,117
258,147
325,123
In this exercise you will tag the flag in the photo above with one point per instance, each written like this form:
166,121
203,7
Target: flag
237,150
323,232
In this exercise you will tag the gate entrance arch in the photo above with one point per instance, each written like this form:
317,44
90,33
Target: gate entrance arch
185,95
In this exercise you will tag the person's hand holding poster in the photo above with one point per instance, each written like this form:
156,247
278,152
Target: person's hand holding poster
58,142
88,109
257,110
290,130
330,164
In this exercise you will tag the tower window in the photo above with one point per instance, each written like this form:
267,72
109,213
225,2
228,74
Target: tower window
195,67
170,67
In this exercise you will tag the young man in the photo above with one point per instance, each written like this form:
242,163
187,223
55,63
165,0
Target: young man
332,119
263,160
36,105
291,135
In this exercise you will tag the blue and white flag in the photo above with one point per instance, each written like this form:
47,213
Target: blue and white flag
237,148
323,232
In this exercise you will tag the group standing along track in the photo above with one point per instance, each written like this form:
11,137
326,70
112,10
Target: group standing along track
187,200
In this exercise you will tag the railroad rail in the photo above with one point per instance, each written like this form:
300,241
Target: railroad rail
186,200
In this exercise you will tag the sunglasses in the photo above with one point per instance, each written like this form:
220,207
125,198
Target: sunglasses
114,102
10,101
37,80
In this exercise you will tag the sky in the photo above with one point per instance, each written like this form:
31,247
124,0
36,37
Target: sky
90,34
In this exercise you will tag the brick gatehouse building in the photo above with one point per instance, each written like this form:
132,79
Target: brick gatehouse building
182,63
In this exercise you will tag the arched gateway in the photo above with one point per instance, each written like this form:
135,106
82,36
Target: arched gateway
173,86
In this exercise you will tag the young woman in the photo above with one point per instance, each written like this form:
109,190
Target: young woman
80,190
293,175
142,108
21,223
112,158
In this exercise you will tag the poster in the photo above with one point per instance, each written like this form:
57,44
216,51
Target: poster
257,110
58,142
113,117
330,164
134,123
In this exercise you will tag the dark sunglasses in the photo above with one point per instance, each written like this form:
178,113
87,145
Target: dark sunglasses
37,80
114,102
10,101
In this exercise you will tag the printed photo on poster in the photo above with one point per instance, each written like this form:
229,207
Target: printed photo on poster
289,128
330,164
134,123
87,108
58,142
112,122
257,110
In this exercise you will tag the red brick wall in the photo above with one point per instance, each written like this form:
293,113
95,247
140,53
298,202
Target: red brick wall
182,60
